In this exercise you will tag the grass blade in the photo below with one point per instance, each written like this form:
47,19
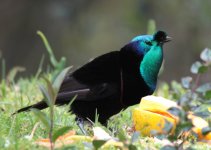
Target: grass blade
59,79
48,47
46,95
42,117
60,132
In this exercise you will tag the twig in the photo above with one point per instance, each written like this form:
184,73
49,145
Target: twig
33,130
51,127
196,83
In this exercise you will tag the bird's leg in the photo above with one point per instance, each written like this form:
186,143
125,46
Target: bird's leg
80,123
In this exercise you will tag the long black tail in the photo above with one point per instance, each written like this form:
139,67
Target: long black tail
40,105
62,98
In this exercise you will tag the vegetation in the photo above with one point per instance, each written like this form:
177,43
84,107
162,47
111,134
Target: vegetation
193,97
22,130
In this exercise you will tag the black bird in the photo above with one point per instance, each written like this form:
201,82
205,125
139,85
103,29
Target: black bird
113,81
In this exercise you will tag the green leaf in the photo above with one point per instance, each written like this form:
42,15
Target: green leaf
96,117
132,147
207,94
175,111
3,66
184,100
98,143
3,88
186,82
12,73
58,65
51,92
59,79
185,126
203,88
198,67
39,70
168,126
168,147
121,135
60,132
195,67
206,55
48,47
42,117
87,145
203,69
202,114
135,137
46,95
206,130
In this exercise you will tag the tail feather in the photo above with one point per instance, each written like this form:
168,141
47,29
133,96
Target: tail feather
40,105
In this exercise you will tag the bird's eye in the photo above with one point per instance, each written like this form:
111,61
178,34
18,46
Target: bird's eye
148,43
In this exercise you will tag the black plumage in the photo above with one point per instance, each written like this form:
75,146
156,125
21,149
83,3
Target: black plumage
107,84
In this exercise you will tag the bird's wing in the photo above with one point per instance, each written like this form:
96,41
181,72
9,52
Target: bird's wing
84,92
95,80
103,69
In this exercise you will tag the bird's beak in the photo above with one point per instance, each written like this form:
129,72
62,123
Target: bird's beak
168,39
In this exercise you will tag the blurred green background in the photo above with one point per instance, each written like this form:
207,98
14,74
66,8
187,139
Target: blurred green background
84,29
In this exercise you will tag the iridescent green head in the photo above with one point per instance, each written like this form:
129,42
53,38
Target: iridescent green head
150,47
144,43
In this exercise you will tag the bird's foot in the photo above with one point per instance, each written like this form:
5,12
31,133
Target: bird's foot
80,123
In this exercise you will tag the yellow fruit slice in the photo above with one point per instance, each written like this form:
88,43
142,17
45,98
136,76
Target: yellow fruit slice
202,137
149,123
152,113
199,124
154,103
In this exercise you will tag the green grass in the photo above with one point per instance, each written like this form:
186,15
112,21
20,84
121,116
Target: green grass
15,130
